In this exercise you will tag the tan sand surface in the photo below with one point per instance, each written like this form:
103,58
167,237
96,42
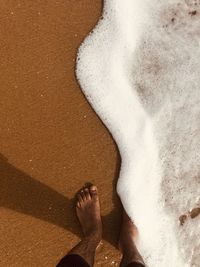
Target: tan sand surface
51,141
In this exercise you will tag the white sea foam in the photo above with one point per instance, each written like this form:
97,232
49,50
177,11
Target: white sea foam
140,70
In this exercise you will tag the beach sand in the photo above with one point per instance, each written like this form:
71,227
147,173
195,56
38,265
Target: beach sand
51,142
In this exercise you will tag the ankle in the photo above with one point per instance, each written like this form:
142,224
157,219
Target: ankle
131,256
126,261
94,234
93,239
130,253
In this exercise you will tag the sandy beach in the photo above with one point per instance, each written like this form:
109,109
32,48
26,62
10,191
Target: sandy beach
52,142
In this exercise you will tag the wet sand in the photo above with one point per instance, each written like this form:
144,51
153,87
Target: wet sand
51,140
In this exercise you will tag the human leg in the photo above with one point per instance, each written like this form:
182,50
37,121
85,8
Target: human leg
128,235
88,213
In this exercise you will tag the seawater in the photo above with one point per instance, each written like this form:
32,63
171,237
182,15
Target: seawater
140,70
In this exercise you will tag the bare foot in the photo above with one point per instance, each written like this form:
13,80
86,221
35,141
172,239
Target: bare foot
88,212
128,236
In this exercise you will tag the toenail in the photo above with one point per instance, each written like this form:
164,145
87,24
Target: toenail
93,189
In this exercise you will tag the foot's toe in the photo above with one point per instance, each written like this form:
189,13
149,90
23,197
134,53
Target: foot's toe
87,193
79,197
93,192
78,204
82,192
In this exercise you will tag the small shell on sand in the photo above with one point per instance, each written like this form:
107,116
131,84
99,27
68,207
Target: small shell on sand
183,219
194,213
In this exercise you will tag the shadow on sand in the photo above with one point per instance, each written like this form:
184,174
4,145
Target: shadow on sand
24,194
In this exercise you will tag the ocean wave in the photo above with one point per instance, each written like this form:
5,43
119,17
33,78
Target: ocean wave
139,69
